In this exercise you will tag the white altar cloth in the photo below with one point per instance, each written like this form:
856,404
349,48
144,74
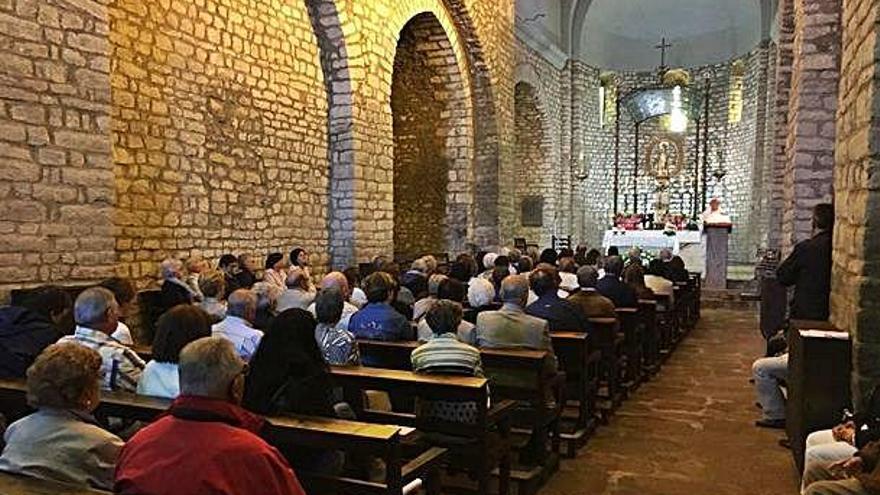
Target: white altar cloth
651,239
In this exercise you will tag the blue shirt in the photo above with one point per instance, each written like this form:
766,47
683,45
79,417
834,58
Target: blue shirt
379,321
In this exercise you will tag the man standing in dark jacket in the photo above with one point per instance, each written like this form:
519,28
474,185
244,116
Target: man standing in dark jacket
28,329
808,269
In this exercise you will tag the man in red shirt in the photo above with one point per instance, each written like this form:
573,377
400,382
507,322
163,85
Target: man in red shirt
205,443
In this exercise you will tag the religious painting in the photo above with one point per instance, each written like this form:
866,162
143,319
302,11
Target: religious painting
665,157
533,211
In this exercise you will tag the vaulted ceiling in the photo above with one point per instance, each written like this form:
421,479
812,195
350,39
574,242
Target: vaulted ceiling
622,34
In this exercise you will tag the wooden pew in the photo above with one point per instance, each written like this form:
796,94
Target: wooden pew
476,454
610,345
383,441
665,317
11,484
650,337
579,359
632,347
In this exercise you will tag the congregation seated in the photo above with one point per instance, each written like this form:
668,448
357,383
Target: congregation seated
591,303
43,317
422,305
206,442
549,256
124,293
96,314
445,353
213,286
174,290
339,282
62,441
855,475
613,288
510,326
175,329
481,297
228,264
592,258
379,320
825,451
299,292
337,344
450,290
634,277
463,268
288,375
656,281
561,314
238,326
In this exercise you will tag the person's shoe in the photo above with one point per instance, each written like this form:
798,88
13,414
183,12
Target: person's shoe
785,443
776,424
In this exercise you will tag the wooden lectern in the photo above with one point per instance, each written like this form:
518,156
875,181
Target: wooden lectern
717,235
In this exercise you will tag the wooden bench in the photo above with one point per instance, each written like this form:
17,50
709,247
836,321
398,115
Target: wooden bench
632,347
383,441
477,453
665,317
650,337
610,345
579,359
11,484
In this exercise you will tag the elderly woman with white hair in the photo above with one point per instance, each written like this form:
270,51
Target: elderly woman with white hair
174,290
421,307
481,297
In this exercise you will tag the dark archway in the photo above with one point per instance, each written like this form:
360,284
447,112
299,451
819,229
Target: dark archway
432,141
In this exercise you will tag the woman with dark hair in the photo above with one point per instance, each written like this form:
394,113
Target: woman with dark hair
176,328
288,374
275,274
592,258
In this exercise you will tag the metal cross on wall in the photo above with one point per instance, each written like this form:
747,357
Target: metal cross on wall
662,47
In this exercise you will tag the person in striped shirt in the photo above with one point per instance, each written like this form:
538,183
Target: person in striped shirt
445,354
97,314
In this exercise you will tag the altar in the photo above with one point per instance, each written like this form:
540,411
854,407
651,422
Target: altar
689,244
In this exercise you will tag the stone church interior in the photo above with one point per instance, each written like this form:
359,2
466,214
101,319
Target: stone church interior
525,247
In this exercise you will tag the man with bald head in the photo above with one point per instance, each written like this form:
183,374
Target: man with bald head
510,326
238,326
338,281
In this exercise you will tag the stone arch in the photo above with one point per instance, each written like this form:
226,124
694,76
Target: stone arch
341,215
533,170
433,151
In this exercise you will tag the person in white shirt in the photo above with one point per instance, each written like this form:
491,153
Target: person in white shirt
178,327
338,281
123,291
568,274
237,327
97,314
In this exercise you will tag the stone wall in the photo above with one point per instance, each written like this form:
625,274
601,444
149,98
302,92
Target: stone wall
812,109
855,305
56,176
135,131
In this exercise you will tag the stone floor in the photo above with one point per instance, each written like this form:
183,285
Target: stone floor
689,430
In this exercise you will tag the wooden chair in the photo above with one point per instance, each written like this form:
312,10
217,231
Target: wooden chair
382,441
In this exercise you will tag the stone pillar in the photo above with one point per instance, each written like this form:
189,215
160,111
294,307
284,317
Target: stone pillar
779,108
855,293
809,151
